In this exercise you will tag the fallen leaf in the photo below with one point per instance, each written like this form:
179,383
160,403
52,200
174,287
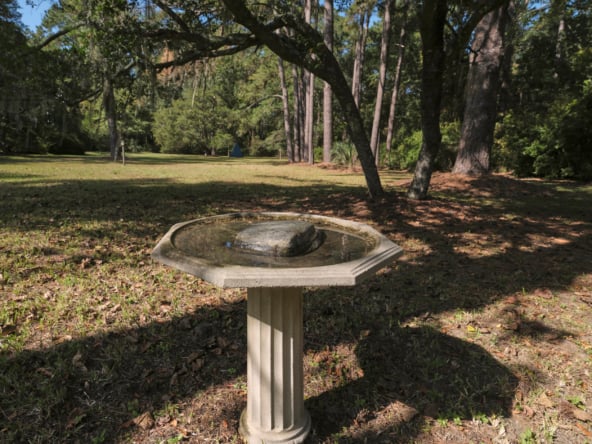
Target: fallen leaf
545,401
145,421
197,364
77,362
145,346
85,263
582,415
45,372
584,430
75,417
222,342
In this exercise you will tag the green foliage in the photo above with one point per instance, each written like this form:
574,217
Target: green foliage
528,437
450,139
23,101
181,128
343,154
557,147
270,146
222,142
71,143
547,131
51,98
239,103
404,155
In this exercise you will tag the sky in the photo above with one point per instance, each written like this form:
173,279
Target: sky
31,15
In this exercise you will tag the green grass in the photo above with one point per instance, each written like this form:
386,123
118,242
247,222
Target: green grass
489,307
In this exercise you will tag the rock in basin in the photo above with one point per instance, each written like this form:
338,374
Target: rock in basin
279,238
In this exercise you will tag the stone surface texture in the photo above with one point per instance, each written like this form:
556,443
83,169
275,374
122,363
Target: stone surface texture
279,238
275,383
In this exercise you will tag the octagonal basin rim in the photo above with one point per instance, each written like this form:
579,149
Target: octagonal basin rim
346,273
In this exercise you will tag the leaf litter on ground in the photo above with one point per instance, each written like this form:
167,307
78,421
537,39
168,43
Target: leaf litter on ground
481,332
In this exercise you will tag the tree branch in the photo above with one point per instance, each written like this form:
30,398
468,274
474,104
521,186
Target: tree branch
178,20
211,50
308,50
59,34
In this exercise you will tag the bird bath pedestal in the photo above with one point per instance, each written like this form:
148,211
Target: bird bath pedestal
275,255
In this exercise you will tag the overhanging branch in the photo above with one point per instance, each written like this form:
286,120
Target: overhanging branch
59,34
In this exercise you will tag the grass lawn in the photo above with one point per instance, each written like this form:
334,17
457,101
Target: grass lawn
481,332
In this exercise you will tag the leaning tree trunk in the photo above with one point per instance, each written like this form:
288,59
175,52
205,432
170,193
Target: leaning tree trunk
481,96
110,108
327,93
432,20
316,57
384,50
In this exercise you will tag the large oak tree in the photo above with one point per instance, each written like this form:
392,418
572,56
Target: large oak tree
481,94
437,45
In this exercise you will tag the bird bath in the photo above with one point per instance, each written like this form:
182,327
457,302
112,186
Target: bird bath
274,255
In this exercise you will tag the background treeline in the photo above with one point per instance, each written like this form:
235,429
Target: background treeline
102,75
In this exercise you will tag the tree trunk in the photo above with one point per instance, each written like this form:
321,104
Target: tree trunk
357,134
397,84
360,51
327,93
559,9
316,57
110,108
309,97
384,49
481,95
309,118
298,115
432,18
286,110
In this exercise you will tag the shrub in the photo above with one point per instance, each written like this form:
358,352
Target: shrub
556,146
344,154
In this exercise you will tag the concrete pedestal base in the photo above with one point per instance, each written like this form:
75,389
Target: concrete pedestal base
275,384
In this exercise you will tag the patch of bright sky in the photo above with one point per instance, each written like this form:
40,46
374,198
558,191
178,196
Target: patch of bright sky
31,15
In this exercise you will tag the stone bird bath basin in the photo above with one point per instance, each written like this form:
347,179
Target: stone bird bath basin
275,255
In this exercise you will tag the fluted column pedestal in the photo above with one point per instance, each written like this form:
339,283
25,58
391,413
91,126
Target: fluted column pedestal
275,384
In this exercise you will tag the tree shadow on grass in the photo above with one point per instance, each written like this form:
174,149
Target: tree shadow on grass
416,373
102,387
106,386
55,394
